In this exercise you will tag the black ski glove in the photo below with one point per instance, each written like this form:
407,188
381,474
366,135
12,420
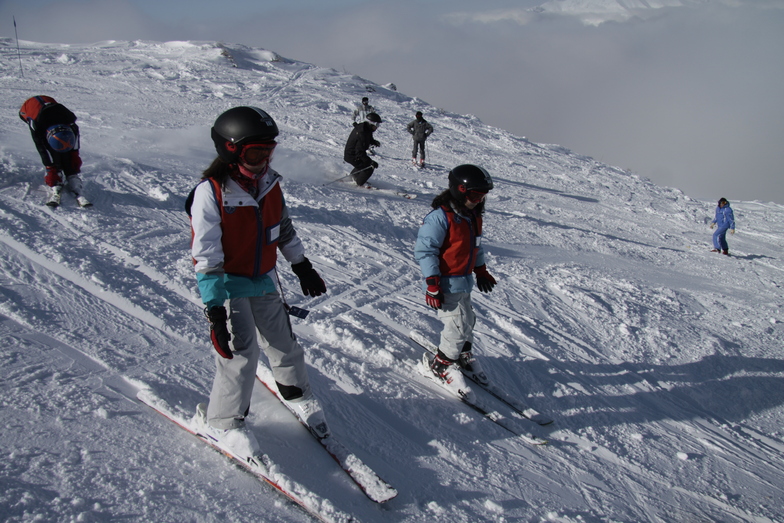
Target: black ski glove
309,279
374,164
484,280
219,331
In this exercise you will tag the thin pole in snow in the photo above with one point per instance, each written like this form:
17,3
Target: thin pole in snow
18,52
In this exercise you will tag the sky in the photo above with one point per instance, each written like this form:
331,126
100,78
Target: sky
689,97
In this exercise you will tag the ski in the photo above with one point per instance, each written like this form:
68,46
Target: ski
260,466
518,406
396,192
349,179
366,479
480,407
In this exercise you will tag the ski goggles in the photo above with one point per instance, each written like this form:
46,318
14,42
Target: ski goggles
254,154
475,196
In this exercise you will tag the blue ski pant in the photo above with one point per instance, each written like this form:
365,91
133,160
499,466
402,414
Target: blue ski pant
720,239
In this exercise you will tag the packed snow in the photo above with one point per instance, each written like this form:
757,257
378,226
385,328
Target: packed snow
660,361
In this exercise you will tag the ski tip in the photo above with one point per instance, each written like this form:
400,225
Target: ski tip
392,494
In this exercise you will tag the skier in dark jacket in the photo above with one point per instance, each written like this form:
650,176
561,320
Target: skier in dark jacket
56,137
355,153
724,221
420,129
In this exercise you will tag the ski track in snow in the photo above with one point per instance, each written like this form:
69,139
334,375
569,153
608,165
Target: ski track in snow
659,361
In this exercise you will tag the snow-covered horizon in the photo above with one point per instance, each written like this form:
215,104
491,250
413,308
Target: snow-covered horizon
660,361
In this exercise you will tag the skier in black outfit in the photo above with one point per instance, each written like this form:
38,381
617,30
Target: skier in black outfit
56,137
359,140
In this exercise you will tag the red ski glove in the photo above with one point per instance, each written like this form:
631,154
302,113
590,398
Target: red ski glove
219,331
484,280
434,297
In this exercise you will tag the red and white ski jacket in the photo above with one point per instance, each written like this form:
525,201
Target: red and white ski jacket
238,236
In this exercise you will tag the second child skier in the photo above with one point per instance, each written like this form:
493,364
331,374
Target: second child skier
449,252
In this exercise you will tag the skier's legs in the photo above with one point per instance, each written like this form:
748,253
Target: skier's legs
286,357
419,146
720,239
723,239
234,379
360,175
458,317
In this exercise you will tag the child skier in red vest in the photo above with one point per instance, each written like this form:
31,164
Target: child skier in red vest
449,252
239,221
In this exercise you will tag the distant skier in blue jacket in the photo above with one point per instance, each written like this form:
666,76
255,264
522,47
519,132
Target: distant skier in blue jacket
724,221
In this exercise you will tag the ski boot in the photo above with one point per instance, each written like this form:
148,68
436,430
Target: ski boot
54,198
450,376
471,366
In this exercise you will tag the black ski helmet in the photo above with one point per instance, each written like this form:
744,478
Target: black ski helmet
241,125
373,118
468,177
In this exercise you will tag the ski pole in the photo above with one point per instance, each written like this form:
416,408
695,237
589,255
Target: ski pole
18,52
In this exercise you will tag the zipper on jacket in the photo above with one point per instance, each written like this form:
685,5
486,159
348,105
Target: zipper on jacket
259,239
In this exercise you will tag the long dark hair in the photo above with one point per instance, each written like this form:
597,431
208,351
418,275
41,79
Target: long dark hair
447,199
219,170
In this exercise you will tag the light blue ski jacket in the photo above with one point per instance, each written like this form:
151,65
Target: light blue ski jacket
427,252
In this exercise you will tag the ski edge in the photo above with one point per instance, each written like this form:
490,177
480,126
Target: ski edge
368,481
264,471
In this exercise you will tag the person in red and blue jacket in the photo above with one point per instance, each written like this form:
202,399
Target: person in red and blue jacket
724,221
449,252
239,222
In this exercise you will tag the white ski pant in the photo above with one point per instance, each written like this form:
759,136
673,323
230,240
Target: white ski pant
458,316
235,378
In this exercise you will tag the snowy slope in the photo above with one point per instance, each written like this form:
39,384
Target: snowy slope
660,361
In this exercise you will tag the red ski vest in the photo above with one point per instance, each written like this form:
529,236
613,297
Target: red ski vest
250,234
461,244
